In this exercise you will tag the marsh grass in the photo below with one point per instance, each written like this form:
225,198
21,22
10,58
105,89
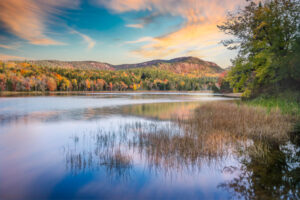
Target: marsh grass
240,120
185,151
162,147
212,133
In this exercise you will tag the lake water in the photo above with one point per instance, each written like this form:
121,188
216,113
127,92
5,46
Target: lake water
97,146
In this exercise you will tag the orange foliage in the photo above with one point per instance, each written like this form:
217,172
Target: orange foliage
58,77
87,84
111,85
51,84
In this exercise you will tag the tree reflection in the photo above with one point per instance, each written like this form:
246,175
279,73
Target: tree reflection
271,174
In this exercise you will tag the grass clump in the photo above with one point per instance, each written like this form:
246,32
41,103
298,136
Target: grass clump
241,120
287,102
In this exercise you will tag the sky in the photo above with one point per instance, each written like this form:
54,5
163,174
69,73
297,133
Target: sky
114,31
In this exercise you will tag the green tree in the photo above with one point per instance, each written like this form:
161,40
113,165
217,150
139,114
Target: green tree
266,34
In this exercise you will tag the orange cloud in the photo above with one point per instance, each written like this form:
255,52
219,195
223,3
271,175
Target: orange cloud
198,33
6,57
90,42
191,36
27,18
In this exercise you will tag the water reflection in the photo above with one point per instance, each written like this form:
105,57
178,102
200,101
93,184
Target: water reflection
90,106
273,175
264,171
134,146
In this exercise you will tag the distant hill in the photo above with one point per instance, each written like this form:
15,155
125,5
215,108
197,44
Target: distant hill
72,64
181,65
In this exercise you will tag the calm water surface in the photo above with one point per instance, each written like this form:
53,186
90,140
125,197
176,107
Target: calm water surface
97,146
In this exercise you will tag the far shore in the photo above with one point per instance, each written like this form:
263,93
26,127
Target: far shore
13,93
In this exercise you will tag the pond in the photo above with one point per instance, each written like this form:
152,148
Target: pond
129,146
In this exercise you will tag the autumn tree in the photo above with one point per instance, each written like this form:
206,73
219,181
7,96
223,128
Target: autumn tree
266,35
74,84
51,84
87,84
2,82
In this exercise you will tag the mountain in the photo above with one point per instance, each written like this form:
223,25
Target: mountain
182,65
179,65
73,64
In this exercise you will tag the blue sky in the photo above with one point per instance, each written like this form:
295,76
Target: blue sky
114,31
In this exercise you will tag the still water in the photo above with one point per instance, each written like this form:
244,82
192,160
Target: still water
108,146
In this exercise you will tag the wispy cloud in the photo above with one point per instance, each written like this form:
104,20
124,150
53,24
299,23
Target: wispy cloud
90,42
143,21
135,25
6,57
4,46
140,40
27,19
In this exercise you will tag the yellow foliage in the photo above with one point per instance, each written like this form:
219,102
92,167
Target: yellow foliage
10,65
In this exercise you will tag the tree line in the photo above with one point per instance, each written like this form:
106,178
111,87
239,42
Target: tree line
23,76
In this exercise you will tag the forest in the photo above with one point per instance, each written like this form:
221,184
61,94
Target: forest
23,76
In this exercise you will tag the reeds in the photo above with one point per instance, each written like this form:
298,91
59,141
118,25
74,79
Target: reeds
215,130
239,120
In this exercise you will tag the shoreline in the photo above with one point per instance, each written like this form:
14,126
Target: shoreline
232,95
49,93
104,92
